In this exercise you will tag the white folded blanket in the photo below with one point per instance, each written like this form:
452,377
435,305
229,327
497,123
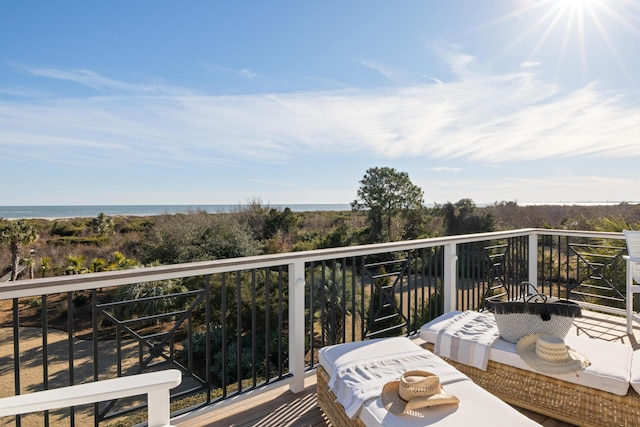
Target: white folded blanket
355,382
467,339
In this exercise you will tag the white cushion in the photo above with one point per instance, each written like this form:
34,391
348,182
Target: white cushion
610,361
477,408
332,356
473,399
635,371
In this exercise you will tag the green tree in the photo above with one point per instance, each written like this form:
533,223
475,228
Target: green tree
278,221
75,264
30,263
463,218
418,224
602,252
146,299
614,224
16,234
253,216
385,193
103,225
332,302
98,264
45,266
384,318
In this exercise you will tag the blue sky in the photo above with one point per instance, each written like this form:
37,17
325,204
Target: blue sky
212,102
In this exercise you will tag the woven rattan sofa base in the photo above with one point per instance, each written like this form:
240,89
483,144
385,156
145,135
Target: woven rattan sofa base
333,410
572,403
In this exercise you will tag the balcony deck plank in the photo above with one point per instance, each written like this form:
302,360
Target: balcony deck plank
276,407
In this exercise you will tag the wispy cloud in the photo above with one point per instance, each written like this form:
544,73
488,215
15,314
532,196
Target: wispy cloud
499,118
452,54
103,84
245,73
444,169
530,64
390,73
248,73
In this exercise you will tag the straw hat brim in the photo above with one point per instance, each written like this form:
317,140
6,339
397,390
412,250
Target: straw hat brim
526,348
395,404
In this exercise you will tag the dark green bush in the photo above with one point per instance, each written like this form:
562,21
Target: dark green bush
242,351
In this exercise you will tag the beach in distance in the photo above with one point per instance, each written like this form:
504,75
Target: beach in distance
90,211
54,212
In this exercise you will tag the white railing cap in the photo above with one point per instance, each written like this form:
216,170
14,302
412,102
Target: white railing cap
97,391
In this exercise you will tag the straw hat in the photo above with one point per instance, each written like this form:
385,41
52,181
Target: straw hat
415,390
550,355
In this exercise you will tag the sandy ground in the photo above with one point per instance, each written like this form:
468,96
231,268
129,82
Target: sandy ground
31,369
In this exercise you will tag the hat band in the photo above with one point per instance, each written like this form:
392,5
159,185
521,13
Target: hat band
552,354
551,348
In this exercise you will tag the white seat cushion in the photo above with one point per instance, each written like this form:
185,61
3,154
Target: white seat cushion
473,399
610,362
635,371
332,356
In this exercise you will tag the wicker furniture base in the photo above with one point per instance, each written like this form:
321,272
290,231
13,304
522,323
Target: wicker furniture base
333,410
572,403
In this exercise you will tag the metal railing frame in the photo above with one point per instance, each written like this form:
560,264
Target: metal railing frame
296,265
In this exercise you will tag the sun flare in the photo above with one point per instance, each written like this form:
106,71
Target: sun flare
572,27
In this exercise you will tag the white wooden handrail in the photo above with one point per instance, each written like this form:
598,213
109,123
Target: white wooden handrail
155,385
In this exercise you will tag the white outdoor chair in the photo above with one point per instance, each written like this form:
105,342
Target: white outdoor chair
633,274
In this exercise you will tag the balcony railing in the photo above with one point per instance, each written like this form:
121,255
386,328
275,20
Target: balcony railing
268,315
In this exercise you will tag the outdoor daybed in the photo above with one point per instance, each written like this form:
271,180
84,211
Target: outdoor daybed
599,395
384,360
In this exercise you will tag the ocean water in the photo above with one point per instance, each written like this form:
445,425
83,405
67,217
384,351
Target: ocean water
52,212
92,211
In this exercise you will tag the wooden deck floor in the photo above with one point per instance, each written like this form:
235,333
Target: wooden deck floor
279,407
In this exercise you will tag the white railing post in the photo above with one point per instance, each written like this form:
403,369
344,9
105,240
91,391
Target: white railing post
449,287
296,326
158,408
632,288
629,294
533,259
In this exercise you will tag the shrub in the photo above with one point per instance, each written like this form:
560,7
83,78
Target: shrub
265,363
197,236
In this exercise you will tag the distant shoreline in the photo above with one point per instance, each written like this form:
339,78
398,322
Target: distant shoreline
91,211
52,212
